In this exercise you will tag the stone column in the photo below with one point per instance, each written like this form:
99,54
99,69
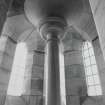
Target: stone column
4,6
53,70
52,30
76,89
7,50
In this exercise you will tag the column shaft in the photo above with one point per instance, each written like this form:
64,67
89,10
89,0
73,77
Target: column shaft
53,72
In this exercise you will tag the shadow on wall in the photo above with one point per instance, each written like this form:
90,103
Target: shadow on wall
24,100
94,100
14,100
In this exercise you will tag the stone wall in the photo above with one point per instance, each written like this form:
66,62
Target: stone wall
24,100
4,6
33,82
98,10
98,100
100,63
37,74
34,79
76,89
7,50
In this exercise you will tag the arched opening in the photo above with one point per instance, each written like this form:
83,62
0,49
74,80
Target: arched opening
91,70
16,82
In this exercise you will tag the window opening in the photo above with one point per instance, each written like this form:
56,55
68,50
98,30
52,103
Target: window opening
16,82
91,70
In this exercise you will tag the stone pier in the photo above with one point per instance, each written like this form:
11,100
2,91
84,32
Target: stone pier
76,89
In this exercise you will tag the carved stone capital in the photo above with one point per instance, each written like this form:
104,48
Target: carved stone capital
52,25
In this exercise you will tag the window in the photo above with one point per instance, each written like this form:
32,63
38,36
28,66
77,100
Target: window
91,71
17,75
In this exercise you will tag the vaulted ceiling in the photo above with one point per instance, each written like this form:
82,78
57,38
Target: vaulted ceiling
18,27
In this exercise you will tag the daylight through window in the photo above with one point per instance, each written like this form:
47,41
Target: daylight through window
91,70
17,75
